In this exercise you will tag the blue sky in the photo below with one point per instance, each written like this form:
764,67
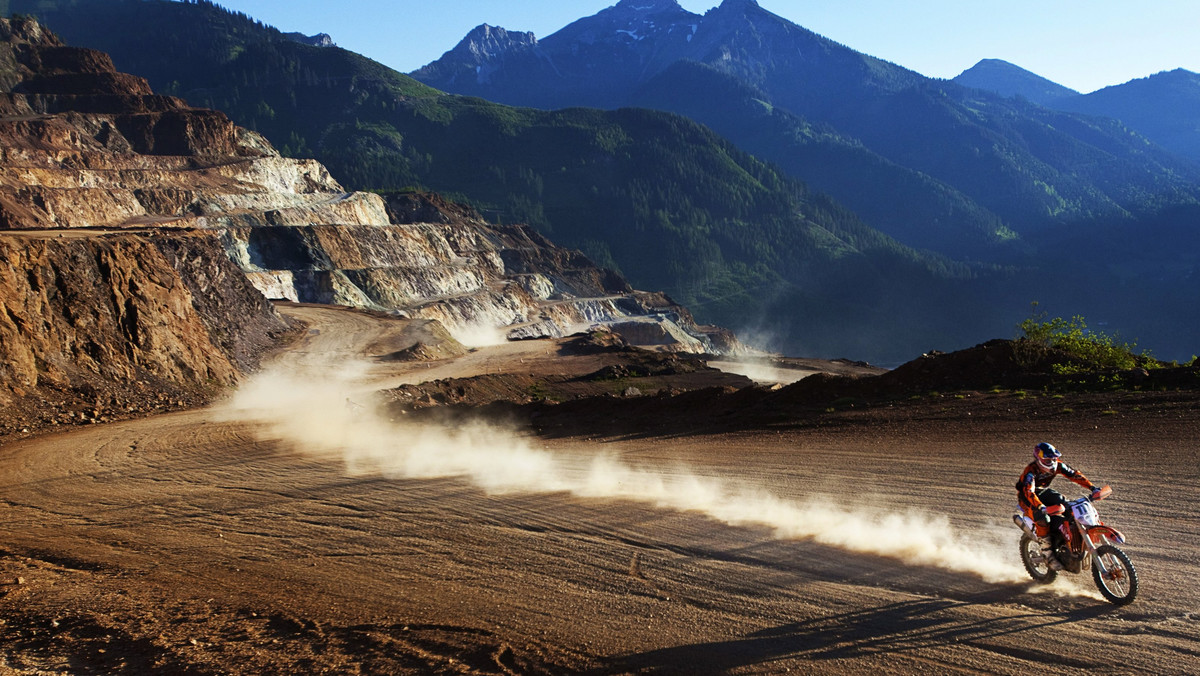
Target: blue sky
1082,44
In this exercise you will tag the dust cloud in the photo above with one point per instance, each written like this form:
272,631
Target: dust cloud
761,372
478,335
326,413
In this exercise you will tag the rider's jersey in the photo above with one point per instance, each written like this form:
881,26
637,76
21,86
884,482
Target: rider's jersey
1034,479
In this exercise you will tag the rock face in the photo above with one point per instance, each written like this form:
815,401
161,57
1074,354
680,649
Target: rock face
141,239
481,53
318,40
137,310
456,269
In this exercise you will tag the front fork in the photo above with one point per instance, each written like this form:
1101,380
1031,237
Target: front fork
1103,534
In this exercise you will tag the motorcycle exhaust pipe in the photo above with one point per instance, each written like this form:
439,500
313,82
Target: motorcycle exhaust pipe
1024,523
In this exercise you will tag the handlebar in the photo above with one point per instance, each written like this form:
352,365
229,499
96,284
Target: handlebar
1055,510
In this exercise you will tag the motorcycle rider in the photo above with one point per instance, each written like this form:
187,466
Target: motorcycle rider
1035,495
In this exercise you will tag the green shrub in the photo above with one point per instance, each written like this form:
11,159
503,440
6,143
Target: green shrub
1090,349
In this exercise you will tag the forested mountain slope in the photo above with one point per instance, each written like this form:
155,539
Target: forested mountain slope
1031,167
1165,107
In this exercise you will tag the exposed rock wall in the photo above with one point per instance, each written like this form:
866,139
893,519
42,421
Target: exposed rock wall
86,146
118,308
102,327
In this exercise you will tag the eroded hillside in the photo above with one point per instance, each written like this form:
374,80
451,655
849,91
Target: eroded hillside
104,313
142,239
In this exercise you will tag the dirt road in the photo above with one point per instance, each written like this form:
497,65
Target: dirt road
288,533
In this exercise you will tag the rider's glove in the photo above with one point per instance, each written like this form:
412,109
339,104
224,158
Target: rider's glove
1095,492
1042,515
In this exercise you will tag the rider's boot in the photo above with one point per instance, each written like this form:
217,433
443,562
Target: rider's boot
1058,543
1053,562
1048,554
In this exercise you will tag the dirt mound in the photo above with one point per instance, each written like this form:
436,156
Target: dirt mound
994,365
684,396
628,374
421,340
1017,364
595,342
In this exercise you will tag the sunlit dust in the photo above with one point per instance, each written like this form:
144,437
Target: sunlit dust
325,414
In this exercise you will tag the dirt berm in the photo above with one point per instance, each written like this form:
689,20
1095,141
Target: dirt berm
633,392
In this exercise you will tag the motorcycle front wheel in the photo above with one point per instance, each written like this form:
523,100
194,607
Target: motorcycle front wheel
1119,582
1035,562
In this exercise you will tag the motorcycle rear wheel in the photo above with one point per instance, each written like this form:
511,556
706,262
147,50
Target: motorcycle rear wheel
1120,584
1035,562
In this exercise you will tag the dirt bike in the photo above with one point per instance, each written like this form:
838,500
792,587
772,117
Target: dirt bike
1088,543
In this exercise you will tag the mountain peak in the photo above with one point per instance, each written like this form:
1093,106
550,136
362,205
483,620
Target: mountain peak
486,42
645,5
643,10
476,56
738,4
629,24
1177,75
488,33
1007,79
734,9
